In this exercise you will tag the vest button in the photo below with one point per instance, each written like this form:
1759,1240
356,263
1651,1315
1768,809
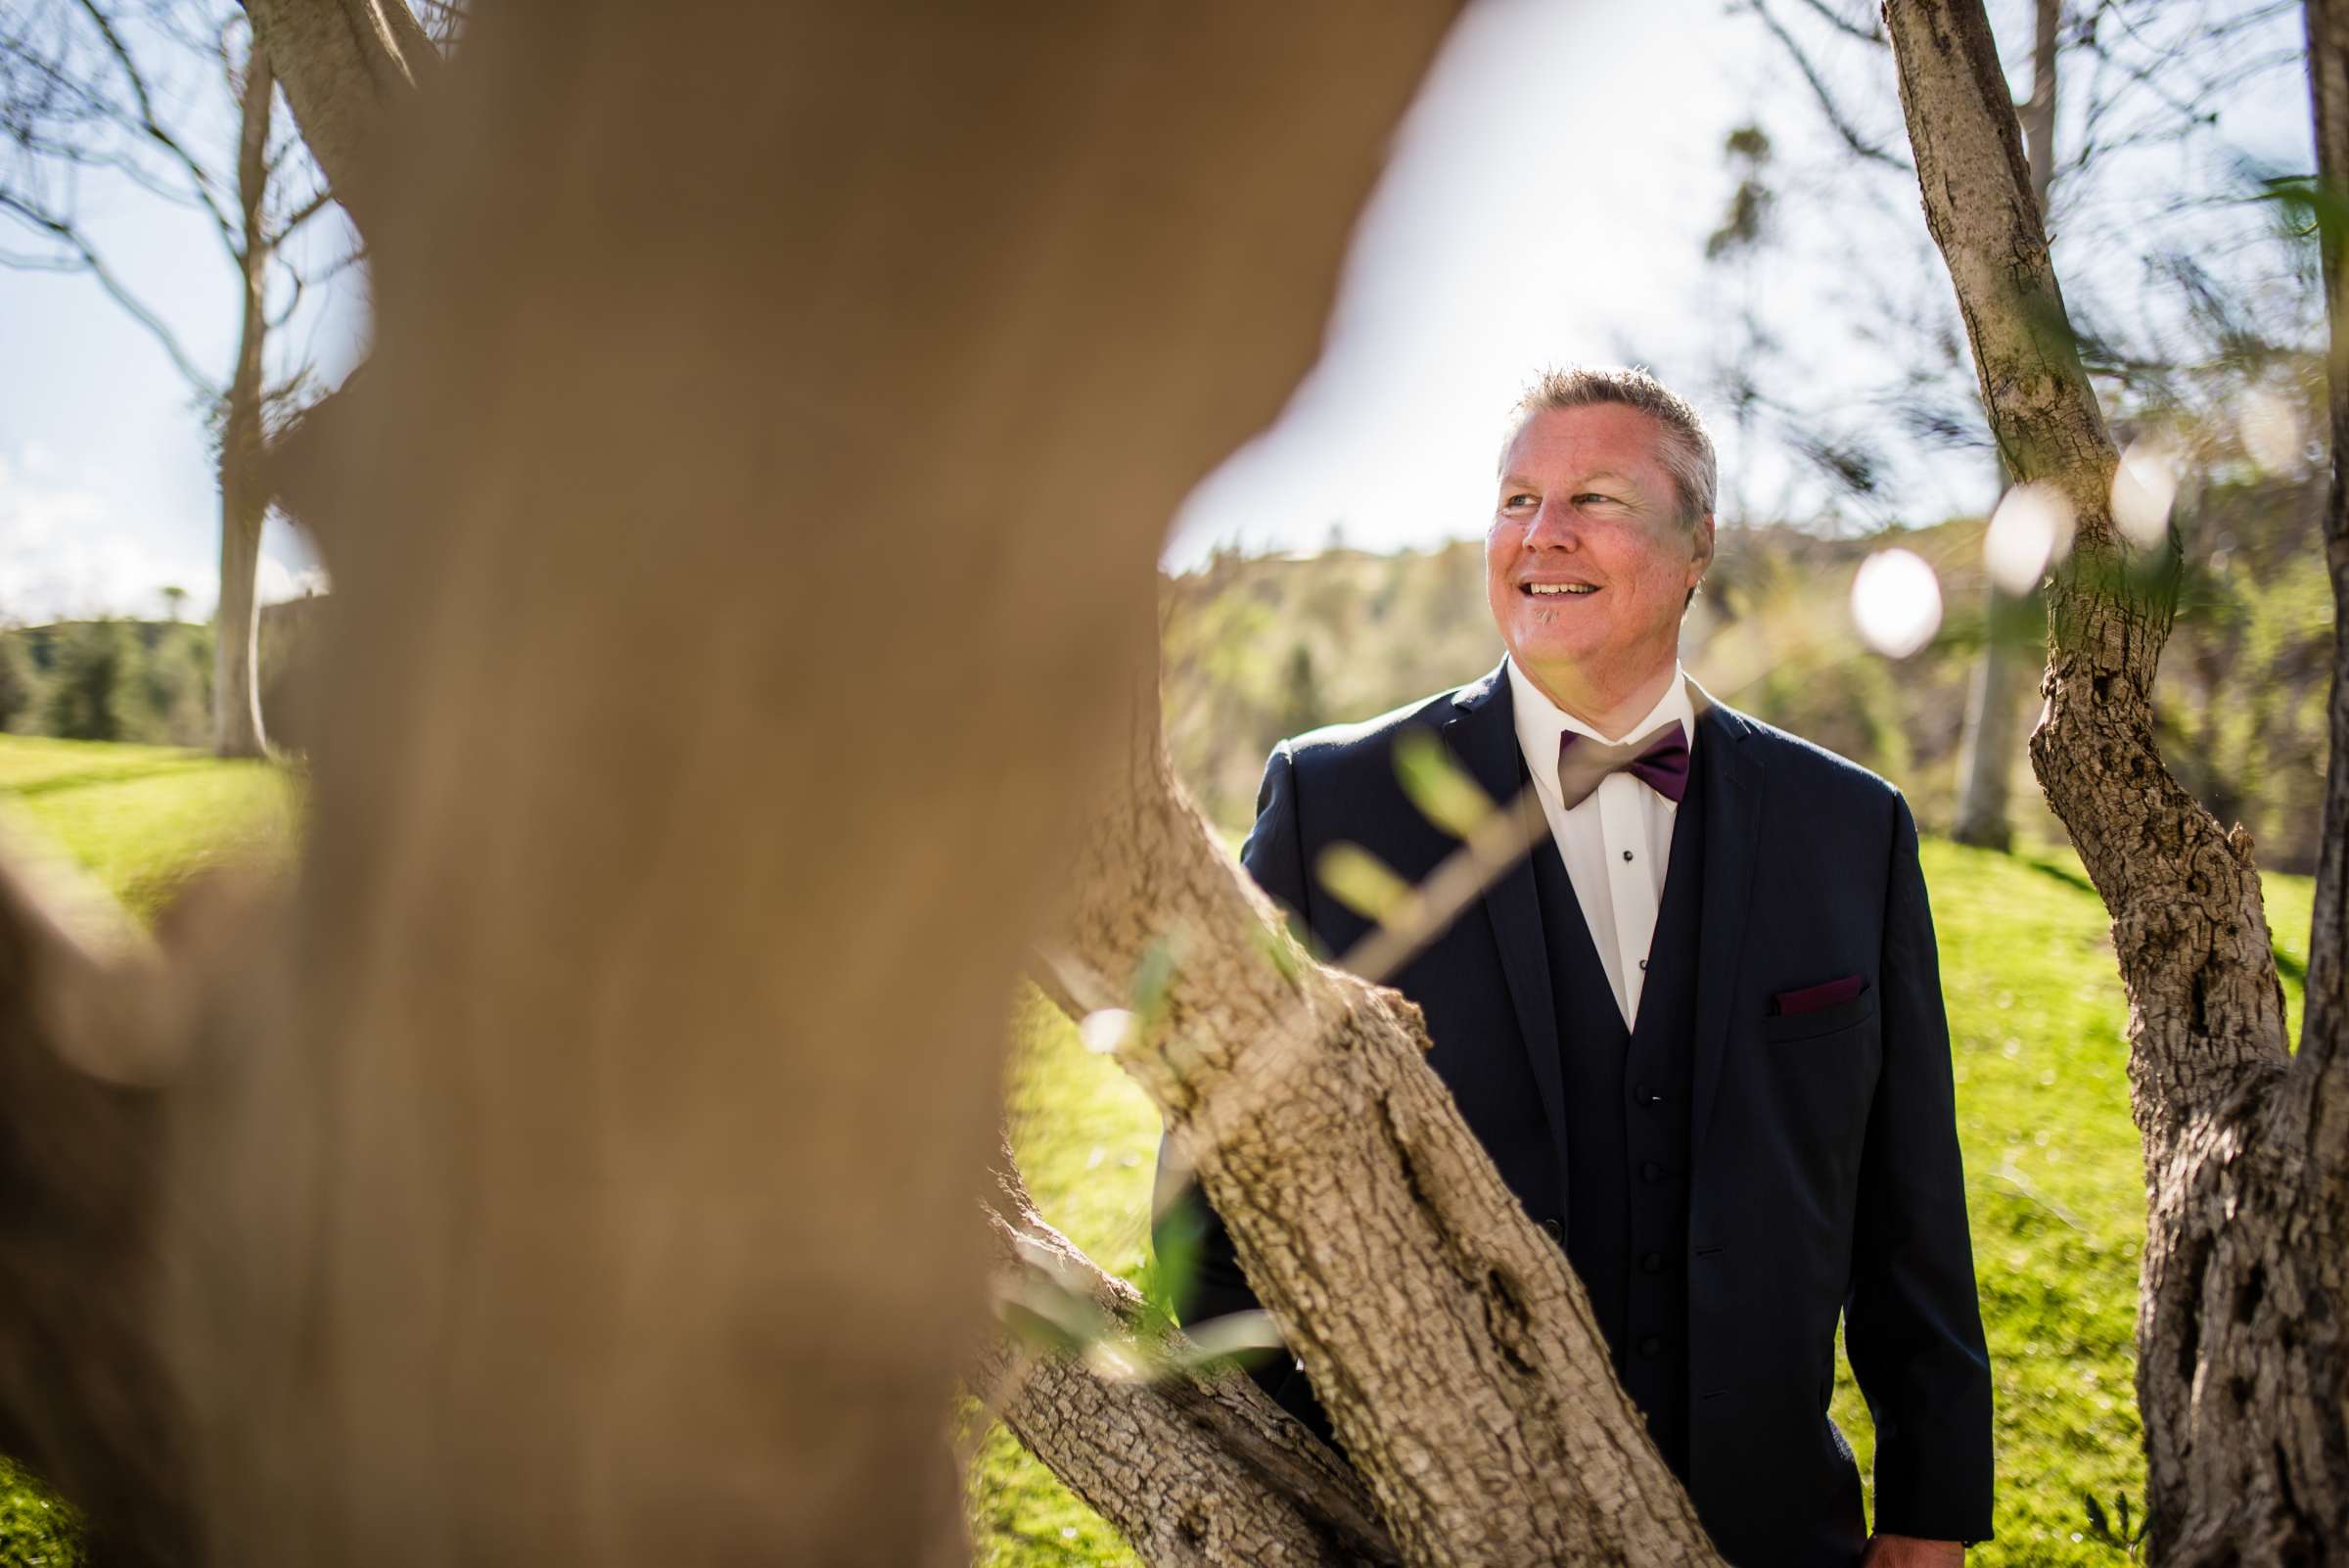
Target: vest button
1651,1263
1554,1231
1651,1347
1651,1171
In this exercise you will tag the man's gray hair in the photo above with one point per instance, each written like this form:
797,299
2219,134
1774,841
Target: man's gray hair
1687,451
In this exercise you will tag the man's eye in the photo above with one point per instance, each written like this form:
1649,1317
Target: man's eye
1518,499
1594,496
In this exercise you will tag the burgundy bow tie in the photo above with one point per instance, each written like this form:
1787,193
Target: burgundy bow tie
1659,759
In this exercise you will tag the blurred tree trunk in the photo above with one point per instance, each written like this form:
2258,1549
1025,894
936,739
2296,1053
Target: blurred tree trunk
2243,1376
244,500
751,517
1996,691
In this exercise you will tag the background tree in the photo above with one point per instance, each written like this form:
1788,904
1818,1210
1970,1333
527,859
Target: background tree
2144,191
2240,1371
97,91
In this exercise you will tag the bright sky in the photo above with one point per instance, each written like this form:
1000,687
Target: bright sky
1547,203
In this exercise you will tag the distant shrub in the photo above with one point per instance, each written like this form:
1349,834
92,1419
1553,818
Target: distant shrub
90,694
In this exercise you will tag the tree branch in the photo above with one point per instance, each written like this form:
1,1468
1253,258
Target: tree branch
1860,145
91,262
1193,1467
200,177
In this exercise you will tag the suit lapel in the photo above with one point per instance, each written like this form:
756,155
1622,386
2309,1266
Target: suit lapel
1732,796
1483,733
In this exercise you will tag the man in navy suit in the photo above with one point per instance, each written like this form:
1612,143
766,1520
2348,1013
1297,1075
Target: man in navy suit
1699,1027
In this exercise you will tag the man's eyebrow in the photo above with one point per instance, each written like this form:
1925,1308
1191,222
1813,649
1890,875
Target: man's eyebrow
1604,476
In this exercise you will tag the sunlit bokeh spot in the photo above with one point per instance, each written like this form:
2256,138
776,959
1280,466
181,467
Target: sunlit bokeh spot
2270,427
1106,1029
2143,488
2031,530
1895,602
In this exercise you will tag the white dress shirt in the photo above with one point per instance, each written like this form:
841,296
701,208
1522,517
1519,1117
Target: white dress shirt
1618,842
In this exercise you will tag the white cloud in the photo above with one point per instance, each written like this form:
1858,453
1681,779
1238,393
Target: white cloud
63,555
279,582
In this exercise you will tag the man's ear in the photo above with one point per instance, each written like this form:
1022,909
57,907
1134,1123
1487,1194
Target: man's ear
1703,539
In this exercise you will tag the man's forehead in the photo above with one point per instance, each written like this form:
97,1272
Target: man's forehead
1617,441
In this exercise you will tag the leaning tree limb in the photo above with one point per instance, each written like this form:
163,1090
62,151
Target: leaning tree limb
2243,1365
1196,1468
1448,1337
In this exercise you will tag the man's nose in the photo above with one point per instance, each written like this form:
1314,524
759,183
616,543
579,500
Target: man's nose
1555,526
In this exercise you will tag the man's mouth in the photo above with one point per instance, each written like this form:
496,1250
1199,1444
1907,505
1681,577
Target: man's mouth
1557,590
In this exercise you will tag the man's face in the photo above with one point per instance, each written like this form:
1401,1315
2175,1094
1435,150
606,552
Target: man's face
1587,564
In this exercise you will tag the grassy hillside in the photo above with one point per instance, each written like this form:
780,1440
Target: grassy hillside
2035,1008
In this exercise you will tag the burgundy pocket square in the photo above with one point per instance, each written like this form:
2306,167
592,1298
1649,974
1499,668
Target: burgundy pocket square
1817,998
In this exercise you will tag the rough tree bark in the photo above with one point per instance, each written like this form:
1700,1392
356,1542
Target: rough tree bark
1996,693
350,68
2241,1376
1448,1338
752,514
244,501
1196,1470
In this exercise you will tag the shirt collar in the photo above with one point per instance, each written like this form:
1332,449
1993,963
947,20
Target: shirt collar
1541,722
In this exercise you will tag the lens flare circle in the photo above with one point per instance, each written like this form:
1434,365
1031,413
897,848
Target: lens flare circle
1895,602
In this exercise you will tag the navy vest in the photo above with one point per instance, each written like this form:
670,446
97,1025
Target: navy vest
1627,1126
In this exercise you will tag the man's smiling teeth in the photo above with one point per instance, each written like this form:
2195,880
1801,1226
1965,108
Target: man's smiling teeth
1561,587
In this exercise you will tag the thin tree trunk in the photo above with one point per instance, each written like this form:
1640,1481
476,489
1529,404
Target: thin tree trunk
775,417
244,500
2242,1376
1448,1338
1995,694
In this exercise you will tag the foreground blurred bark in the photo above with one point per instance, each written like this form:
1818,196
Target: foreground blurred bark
773,420
2242,1373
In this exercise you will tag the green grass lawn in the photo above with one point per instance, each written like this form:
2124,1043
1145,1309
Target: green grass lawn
2035,1010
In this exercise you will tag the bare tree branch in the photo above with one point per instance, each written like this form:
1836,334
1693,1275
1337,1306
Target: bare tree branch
87,260
200,178
1860,145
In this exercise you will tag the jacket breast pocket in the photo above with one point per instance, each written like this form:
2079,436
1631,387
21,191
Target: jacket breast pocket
1778,1028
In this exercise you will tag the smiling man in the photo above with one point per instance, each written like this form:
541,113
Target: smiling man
1699,1027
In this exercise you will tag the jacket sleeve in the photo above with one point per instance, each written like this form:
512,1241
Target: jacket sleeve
1912,1321
1185,1223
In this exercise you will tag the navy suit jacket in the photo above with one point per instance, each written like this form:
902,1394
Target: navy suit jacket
1824,1175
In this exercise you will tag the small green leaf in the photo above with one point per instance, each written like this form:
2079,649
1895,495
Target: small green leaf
1153,980
1223,1338
1362,881
1438,785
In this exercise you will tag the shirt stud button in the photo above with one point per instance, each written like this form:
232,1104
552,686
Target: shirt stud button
1627,854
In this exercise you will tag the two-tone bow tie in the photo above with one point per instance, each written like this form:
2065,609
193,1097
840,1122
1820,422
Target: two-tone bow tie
1659,759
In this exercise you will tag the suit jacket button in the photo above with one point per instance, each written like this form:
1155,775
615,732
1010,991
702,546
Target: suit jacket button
1652,1171
1554,1231
1651,1263
1651,1347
